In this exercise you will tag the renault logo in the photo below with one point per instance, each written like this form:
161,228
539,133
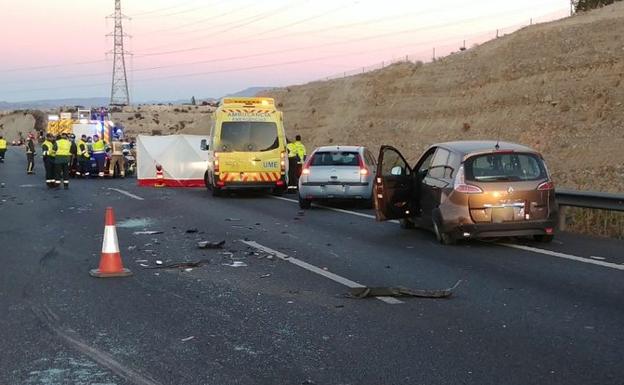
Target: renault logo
510,190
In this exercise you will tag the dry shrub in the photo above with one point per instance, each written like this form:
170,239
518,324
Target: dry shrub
594,222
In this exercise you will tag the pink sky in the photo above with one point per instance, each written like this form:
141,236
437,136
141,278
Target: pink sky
288,41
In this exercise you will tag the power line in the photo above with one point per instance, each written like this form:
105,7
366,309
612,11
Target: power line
244,22
162,9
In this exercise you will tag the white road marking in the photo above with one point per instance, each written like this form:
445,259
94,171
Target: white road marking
598,258
127,194
317,270
591,260
566,256
336,209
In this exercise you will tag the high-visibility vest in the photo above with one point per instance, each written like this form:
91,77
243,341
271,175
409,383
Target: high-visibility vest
48,149
99,146
300,150
83,150
63,147
292,150
3,144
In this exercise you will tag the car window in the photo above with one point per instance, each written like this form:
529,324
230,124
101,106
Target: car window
440,159
392,161
505,167
336,158
425,162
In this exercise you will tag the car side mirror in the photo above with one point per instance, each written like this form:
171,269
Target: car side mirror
204,145
396,170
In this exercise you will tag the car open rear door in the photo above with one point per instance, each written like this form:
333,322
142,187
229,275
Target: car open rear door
393,186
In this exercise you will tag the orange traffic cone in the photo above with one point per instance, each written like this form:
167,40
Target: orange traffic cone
160,179
110,261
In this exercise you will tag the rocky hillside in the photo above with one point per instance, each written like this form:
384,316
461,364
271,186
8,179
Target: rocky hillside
557,87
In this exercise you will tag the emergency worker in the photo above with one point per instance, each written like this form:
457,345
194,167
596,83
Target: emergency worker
117,158
3,148
99,153
73,163
30,154
292,164
63,150
302,154
84,157
48,159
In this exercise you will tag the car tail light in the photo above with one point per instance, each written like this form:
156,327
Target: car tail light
216,162
220,183
279,183
461,186
546,186
305,171
363,169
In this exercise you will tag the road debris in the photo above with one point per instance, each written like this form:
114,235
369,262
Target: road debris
187,339
265,275
186,265
147,232
130,248
192,230
232,219
159,262
366,292
235,264
210,244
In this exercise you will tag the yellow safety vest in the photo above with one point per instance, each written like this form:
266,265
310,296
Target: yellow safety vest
300,150
49,148
63,147
3,144
292,150
99,146
85,151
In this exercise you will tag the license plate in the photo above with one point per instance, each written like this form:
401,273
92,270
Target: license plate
502,214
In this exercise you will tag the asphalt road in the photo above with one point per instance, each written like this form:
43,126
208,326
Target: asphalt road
538,315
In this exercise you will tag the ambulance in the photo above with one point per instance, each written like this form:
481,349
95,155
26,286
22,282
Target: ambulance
247,147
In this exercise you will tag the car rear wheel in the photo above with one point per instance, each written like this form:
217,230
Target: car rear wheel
545,238
442,237
304,204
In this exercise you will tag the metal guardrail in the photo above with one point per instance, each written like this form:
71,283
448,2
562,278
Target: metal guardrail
590,200
586,199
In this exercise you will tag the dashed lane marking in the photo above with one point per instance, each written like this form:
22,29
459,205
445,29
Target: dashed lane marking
127,194
334,277
591,260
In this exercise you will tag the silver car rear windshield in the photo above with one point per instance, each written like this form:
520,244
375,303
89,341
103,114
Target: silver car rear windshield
505,167
248,136
336,158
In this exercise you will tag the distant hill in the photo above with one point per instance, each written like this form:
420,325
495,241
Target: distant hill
53,103
251,91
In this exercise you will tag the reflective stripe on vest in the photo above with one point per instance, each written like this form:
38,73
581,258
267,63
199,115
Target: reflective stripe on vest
3,144
63,147
83,150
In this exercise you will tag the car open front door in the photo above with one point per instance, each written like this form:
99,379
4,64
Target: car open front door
393,186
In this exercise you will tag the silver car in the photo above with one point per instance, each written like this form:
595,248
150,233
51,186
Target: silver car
337,172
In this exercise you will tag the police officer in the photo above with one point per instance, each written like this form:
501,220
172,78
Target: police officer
63,150
30,154
48,159
84,157
3,148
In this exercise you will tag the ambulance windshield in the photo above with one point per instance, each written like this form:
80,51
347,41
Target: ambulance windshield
248,136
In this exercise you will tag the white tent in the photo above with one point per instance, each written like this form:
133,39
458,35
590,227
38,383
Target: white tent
182,160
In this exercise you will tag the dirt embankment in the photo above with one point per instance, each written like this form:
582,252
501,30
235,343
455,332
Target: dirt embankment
557,87
165,120
14,123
